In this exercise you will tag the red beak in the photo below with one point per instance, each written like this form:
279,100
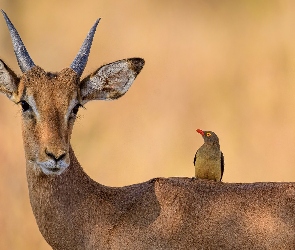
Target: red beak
200,131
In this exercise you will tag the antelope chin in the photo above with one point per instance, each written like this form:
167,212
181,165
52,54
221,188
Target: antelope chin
52,168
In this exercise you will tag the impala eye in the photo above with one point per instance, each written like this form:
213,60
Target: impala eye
25,106
76,109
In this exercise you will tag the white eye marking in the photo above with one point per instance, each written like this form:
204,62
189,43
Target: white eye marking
33,105
72,104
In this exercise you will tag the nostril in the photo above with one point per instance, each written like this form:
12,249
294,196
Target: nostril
55,157
62,156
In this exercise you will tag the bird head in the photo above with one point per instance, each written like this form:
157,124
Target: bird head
209,136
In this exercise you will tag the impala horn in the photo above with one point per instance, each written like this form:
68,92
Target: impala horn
23,58
79,63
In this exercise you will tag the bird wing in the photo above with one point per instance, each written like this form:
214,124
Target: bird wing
222,165
195,158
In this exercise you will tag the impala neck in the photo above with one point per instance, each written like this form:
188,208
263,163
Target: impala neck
62,204
66,188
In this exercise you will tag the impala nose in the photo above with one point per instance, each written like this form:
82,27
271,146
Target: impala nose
56,156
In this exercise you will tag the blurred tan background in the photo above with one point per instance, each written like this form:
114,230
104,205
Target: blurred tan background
226,66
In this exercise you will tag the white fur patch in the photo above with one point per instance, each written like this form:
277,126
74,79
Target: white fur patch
50,167
72,104
33,105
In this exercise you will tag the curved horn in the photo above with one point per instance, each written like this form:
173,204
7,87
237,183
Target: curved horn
23,58
79,63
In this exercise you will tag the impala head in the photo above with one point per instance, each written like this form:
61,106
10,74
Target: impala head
50,101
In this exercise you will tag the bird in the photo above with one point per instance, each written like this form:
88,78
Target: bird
209,160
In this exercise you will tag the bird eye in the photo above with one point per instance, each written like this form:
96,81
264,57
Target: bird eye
208,134
25,106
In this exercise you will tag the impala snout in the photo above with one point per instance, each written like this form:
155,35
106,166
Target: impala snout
54,159
56,163
57,156
54,130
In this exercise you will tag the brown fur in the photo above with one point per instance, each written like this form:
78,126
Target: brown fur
75,212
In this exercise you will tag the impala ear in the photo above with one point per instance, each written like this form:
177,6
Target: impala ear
110,81
8,81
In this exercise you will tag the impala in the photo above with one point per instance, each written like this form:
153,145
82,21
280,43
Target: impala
75,212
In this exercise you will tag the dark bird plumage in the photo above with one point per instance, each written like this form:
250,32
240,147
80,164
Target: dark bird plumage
209,160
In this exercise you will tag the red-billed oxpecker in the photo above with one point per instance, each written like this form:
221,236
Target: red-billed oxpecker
209,160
